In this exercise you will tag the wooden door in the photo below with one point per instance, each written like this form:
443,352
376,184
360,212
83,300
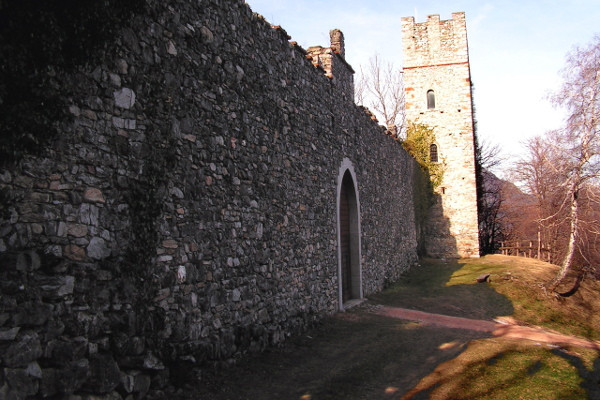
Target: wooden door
345,241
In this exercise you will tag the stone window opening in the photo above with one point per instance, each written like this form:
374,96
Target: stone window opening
433,153
430,99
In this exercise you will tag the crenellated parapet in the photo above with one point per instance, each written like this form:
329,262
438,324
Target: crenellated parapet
435,42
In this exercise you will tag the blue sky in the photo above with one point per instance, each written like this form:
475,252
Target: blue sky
517,48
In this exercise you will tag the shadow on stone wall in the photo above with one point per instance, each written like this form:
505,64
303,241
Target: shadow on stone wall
439,242
67,327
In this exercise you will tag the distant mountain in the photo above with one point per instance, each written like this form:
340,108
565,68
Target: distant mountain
516,210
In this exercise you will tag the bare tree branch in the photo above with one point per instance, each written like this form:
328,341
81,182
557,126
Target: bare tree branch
562,169
381,88
577,147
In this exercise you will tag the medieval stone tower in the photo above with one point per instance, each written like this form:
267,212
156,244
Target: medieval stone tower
438,86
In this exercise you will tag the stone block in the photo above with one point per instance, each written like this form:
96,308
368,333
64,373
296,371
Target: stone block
9,334
171,49
28,261
33,369
48,383
151,362
127,382
93,195
104,374
122,123
26,349
32,314
115,79
98,249
142,384
124,98
74,252
72,377
62,352
77,230
21,383
88,214
56,286
170,244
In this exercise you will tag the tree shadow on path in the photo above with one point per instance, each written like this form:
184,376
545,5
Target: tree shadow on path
508,369
352,355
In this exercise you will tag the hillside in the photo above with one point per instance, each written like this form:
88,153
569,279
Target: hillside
516,212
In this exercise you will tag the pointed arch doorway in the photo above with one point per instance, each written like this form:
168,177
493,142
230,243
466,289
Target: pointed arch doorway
348,223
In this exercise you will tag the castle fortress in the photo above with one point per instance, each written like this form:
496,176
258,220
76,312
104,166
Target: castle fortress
438,89
215,191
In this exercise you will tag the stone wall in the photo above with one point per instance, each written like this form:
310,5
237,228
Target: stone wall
436,58
187,212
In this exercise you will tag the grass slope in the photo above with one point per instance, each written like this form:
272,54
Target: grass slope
494,368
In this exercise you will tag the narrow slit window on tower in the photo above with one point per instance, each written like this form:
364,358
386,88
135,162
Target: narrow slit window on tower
433,153
430,99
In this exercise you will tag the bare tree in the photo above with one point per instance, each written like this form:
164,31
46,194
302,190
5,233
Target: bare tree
380,87
590,220
562,169
538,177
576,148
489,155
489,197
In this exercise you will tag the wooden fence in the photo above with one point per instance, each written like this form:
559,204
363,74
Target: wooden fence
526,248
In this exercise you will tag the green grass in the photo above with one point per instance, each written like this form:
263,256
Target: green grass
436,286
515,289
511,371
521,282
501,369
497,368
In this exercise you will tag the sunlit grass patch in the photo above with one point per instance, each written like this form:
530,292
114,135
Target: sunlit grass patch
501,369
468,274
518,282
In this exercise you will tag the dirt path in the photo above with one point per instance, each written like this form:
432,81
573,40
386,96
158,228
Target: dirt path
507,328
353,355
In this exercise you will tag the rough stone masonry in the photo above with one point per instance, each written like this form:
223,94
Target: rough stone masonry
189,211
436,64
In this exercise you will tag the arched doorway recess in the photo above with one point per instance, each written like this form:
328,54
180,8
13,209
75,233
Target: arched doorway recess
348,223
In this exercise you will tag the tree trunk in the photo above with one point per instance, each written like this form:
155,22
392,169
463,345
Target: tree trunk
574,225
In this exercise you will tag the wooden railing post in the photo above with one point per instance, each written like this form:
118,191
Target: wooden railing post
530,249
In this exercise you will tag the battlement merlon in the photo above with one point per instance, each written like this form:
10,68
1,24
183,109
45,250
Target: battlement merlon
337,42
435,42
332,60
